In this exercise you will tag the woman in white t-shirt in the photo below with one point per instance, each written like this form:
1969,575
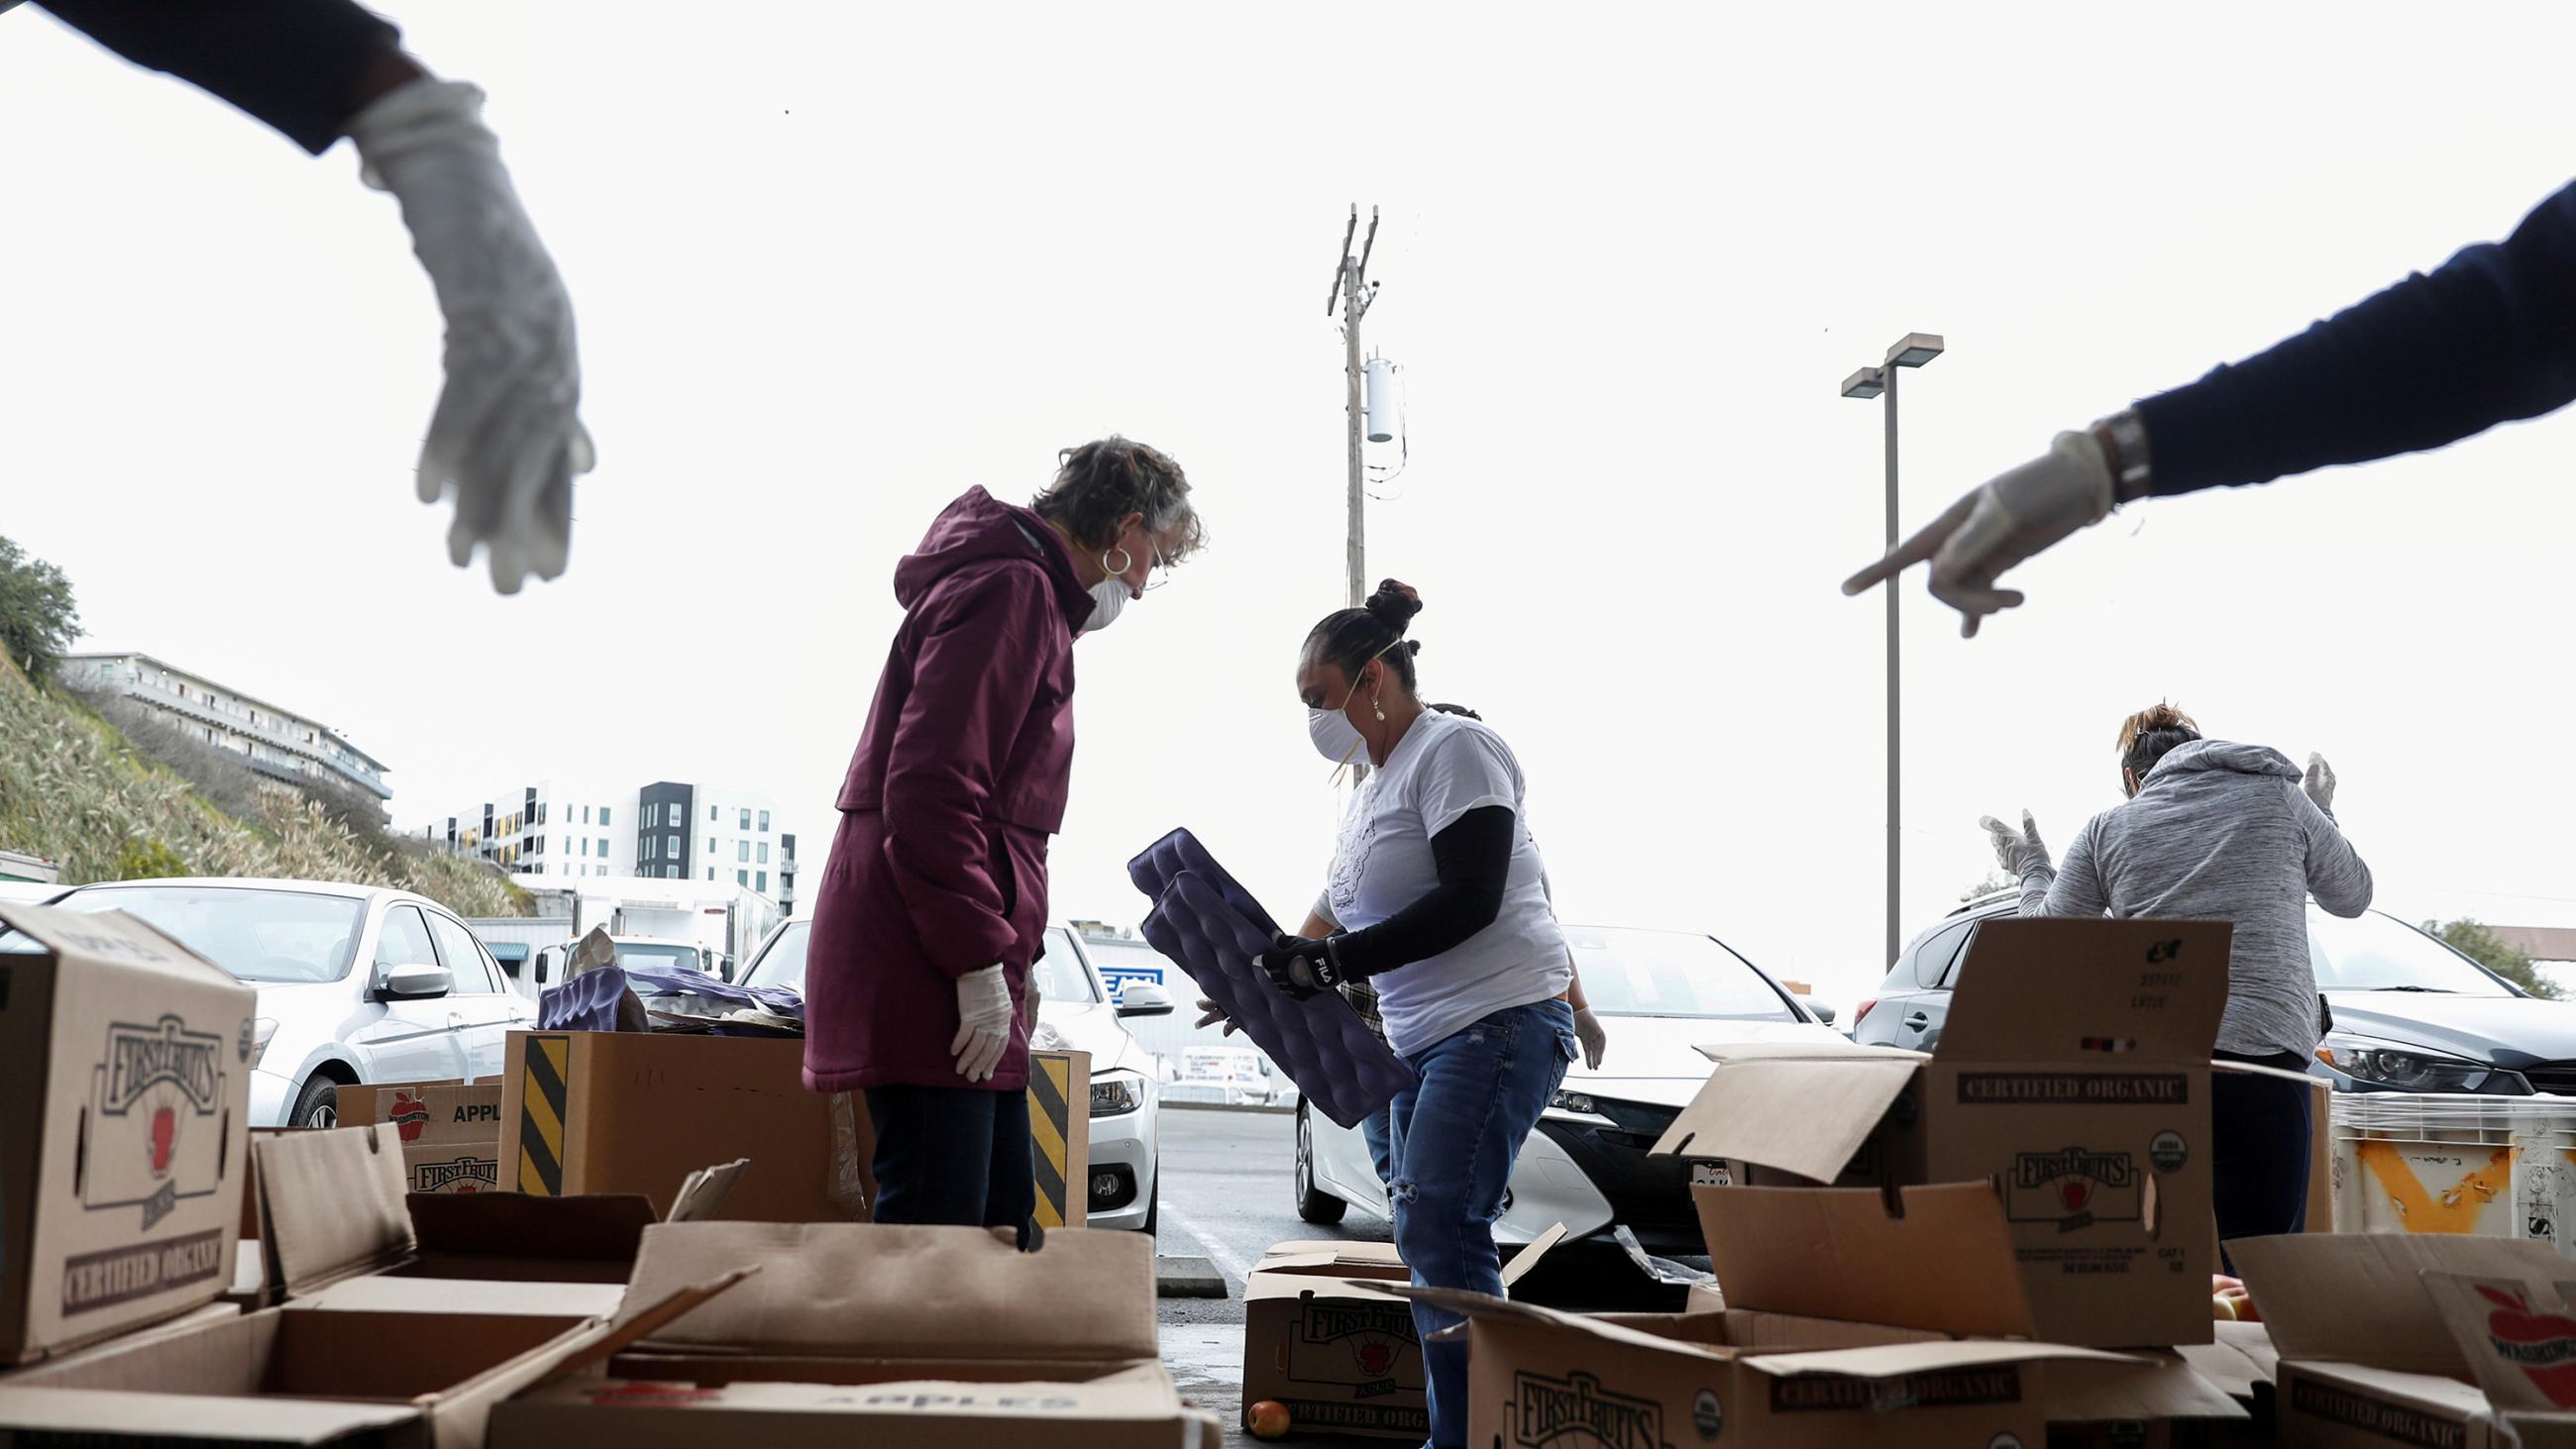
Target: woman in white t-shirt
1436,898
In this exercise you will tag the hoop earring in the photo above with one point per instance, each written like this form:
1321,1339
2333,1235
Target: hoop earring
1130,561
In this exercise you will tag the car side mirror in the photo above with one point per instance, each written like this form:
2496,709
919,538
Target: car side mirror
1144,998
1821,1011
417,982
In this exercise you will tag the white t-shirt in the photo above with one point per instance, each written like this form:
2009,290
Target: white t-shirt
1445,766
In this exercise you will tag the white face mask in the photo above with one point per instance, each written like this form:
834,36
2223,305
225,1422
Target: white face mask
1335,737
1107,597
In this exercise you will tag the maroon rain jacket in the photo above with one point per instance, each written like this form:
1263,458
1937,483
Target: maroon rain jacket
939,866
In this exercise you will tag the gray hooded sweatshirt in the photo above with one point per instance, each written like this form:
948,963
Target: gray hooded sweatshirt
2220,832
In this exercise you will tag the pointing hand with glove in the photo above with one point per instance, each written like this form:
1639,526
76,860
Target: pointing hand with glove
505,441
2019,852
2003,522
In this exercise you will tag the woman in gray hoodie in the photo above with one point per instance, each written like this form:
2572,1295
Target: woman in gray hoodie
2215,831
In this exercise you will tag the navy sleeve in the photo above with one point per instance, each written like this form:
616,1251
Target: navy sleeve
1473,860
2488,338
294,64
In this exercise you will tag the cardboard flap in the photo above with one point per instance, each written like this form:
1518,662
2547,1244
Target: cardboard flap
1806,1115
860,1290
600,1227
1803,1051
334,1205
1621,1329
1895,1360
2518,1335
2152,1386
1528,1257
704,1191
98,1416
1336,1266
634,1323
1942,1260
2039,990
2359,1298
2238,1360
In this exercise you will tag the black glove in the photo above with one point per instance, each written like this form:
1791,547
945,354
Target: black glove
1297,965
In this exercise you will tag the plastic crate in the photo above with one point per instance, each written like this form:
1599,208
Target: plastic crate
2502,1167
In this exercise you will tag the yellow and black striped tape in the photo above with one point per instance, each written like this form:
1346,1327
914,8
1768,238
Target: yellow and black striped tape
1051,1126
541,1115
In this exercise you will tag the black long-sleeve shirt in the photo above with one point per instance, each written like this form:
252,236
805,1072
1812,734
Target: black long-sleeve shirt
2489,337
294,64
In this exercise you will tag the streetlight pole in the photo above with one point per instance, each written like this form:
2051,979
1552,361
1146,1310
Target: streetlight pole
1352,293
1912,350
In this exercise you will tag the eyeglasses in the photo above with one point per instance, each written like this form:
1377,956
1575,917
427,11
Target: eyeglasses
1159,572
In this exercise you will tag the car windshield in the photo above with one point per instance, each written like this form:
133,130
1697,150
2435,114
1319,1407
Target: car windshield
638,953
1670,973
783,964
2374,952
257,935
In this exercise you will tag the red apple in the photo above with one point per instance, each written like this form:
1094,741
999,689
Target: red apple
1266,1418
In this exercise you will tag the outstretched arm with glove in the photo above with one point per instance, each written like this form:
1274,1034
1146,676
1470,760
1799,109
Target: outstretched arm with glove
2488,337
505,441
2046,888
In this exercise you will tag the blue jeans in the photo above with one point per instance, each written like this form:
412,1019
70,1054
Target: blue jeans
1376,1131
1455,1134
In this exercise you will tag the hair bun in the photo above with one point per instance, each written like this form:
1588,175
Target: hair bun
1394,605
2164,716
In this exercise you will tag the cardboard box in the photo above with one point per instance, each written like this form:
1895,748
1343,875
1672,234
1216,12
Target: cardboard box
2518,1336
344,1234
2365,1361
2074,1072
884,1336
419,1380
1843,1327
124,1108
451,1131
636,1112
1342,1356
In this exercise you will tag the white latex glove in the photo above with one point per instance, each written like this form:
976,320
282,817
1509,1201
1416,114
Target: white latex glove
1213,1013
2013,516
1587,1029
2019,852
2319,782
505,440
983,1023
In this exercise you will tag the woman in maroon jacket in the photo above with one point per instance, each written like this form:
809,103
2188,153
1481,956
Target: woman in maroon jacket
935,897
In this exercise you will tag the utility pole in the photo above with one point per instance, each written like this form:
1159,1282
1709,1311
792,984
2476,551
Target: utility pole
1351,295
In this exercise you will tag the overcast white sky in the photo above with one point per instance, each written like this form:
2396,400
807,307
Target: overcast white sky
834,264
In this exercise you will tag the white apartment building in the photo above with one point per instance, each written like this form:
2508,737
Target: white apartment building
276,742
559,830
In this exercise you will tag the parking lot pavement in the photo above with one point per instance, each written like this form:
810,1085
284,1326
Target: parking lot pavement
1226,1198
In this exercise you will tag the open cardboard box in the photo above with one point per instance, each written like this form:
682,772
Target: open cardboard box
887,1336
2365,1359
2518,1335
413,1380
124,1109
2074,1073
344,1234
1323,1336
1853,1317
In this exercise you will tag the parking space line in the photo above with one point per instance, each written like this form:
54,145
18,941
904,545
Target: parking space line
1229,1262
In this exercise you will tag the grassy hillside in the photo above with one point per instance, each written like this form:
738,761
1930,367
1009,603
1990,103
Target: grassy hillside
75,788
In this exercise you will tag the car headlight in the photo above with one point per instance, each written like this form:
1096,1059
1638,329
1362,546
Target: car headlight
2413,1069
1115,1092
1575,1107
261,1029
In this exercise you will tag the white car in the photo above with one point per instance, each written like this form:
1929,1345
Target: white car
1659,994
631,951
356,983
1074,1010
